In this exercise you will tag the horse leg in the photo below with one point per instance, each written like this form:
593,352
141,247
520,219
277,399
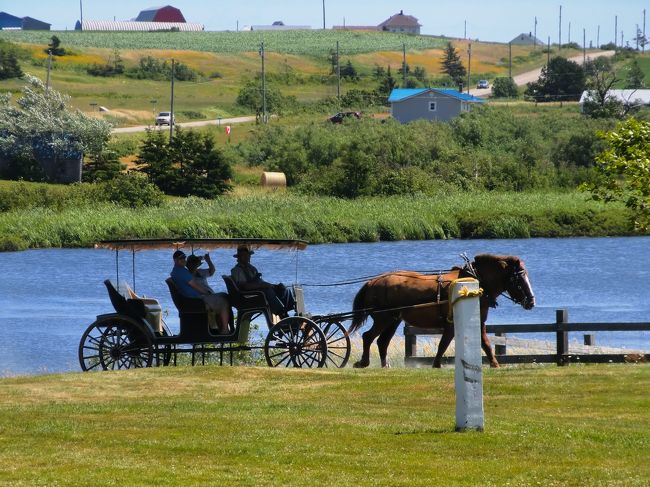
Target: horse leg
368,337
487,348
384,340
445,340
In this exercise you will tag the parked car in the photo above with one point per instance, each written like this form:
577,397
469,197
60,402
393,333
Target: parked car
339,117
164,118
482,84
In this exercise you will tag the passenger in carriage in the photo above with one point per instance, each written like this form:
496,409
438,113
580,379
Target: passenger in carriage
248,278
189,286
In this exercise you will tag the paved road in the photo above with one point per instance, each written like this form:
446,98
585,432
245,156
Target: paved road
533,75
201,123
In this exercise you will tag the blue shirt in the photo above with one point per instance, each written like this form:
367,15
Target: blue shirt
182,278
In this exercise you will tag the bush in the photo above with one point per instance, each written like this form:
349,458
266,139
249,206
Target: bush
132,190
504,88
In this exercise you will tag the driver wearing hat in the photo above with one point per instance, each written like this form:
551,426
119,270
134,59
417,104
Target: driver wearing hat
248,278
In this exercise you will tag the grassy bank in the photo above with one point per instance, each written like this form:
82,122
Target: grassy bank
80,223
583,425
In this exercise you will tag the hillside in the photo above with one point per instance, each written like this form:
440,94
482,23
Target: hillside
298,64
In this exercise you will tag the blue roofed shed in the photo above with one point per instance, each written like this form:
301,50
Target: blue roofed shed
439,104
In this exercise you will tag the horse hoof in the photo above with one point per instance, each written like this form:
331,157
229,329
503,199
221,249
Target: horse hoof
495,365
386,366
436,365
359,365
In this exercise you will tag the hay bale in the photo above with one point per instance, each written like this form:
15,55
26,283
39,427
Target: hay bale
274,180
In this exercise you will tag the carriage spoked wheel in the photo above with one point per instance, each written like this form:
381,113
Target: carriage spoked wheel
295,342
338,343
114,344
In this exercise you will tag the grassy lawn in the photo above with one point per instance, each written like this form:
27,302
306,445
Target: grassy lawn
580,425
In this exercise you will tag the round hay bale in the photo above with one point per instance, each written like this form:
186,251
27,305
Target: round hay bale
274,180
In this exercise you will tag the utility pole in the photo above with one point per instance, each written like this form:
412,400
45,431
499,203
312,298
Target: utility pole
465,34
584,47
637,37
338,72
469,65
559,46
548,52
81,15
323,14
643,46
264,82
49,68
403,65
598,38
535,34
171,113
615,30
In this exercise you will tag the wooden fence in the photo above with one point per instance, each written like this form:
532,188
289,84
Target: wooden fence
561,328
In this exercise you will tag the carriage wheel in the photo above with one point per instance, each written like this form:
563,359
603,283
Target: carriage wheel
114,344
295,342
338,343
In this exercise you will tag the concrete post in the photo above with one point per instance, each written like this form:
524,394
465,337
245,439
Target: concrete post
468,374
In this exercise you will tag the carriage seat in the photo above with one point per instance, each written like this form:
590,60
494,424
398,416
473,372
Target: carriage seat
244,300
184,304
134,308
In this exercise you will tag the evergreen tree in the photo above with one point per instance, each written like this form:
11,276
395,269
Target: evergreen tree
387,84
452,65
349,72
103,166
9,67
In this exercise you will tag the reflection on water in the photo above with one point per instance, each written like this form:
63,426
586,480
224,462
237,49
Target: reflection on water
49,297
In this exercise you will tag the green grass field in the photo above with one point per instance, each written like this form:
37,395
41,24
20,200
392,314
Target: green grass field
573,426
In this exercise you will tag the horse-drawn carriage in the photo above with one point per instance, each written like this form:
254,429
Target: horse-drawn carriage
136,335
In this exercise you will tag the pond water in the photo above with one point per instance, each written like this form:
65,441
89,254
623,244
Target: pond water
49,297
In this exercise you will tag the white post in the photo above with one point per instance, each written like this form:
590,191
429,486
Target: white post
468,375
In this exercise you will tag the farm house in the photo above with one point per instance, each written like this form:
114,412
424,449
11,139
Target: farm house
11,22
437,104
401,23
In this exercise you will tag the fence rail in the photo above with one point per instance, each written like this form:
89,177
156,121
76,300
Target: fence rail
561,328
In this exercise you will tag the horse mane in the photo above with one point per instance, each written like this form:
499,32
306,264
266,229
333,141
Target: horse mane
493,259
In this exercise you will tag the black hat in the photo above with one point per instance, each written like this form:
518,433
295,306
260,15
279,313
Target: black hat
243,249
178,254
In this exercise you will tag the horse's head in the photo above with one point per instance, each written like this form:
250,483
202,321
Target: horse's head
510,276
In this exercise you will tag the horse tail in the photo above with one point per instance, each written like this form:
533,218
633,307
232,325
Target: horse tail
359,316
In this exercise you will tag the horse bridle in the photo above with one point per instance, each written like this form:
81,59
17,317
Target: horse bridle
516,280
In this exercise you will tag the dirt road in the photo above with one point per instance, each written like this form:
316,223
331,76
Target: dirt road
201,123
533,75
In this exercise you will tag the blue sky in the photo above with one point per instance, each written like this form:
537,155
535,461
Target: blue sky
488,20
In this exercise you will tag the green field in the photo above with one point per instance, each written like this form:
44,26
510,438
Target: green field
305,42
550,426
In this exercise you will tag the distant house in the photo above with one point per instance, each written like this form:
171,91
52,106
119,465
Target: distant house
160,14
401,23
11,22
629,98
526,40
439,104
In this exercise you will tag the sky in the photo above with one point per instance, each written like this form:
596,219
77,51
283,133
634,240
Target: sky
486,20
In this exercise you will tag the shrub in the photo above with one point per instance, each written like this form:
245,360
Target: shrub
504,88
132,190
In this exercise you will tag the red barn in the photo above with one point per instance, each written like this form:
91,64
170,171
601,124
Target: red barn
161,14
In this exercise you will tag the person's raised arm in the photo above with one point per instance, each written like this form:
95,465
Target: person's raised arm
211,267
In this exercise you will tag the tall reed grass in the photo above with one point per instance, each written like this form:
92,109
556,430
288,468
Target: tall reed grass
80,223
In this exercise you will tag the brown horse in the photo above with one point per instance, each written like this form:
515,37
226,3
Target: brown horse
392,298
